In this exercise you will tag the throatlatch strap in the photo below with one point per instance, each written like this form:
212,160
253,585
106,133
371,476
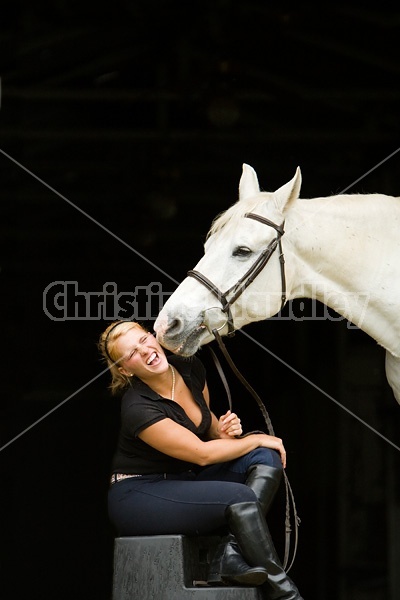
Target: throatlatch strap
288,488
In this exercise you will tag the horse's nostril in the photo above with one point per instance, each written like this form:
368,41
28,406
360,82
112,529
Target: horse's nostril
175,326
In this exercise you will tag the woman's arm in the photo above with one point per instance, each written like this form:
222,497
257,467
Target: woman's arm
177,441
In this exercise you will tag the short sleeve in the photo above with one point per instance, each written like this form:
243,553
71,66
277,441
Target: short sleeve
139,414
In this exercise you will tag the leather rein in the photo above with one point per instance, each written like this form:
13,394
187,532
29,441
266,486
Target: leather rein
227,299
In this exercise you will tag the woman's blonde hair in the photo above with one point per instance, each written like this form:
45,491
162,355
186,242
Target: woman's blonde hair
107,346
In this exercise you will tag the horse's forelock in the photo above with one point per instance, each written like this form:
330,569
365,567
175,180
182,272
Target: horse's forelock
234,213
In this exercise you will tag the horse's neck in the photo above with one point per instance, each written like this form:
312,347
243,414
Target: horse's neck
341,241
345,252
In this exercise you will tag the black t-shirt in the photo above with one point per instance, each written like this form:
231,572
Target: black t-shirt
142,407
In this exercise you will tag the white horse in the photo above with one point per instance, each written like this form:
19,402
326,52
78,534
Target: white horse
341,250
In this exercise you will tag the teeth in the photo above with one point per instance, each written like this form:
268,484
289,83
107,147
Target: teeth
152,357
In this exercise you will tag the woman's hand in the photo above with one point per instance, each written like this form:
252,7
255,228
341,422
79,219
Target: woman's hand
275,443
229,425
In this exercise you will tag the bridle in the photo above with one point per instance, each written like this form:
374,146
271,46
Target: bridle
237,289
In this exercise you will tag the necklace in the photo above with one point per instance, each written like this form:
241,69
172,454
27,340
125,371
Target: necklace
173,382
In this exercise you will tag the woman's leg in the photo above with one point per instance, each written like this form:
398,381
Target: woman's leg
156,506
238,470
152,505
261,470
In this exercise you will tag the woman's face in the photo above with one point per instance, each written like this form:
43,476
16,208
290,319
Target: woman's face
141,354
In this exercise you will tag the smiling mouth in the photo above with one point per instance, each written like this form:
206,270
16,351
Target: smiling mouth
153,356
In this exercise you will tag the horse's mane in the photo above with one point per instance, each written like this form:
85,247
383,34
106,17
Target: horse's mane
227,219
236,212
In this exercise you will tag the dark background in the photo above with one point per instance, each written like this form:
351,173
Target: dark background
141,114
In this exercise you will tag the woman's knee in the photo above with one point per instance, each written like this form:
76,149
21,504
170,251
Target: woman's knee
266,456
242,494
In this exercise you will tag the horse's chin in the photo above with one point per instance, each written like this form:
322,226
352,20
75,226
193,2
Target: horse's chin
190,344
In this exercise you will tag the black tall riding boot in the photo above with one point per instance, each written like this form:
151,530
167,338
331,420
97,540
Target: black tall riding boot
247,523
264,481
228,566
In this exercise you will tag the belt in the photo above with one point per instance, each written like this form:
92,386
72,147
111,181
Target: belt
115,477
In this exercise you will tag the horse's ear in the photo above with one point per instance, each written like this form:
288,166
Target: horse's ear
248,185
289,192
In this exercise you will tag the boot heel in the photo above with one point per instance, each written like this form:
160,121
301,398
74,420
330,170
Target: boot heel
229,567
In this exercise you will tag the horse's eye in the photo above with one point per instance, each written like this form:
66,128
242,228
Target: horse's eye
241,251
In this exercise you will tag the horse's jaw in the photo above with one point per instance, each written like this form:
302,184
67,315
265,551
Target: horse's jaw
182,335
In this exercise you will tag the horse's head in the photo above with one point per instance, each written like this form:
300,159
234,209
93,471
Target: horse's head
239,278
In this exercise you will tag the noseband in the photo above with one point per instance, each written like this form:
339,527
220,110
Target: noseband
236,290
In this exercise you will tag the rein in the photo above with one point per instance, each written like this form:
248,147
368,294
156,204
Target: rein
288,488
235,291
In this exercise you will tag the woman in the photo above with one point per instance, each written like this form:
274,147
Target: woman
180,470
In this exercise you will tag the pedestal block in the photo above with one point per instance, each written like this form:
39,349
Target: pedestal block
169,567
